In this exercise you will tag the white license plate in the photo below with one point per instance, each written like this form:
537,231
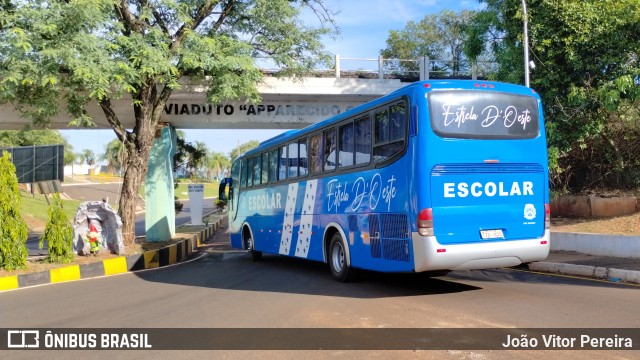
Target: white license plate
492,234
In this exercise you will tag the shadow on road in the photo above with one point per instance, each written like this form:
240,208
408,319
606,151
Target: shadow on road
523,275
224,268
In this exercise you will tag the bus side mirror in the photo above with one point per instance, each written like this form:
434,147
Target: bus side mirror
222,187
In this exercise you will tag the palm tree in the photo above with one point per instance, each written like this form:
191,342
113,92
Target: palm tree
89,157
198,159
78,158
115,155
216,163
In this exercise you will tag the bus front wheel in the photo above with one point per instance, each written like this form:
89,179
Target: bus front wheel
338,260
248,244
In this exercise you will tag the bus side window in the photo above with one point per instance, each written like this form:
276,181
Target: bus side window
292,162
256,171
382,126
273,166
330,150
303,161
250,172
397,122
345,146
316,154
283,163
389,130
265,168
363,140
243,173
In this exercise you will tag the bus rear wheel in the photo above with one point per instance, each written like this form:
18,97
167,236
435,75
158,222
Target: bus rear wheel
248,244
338,260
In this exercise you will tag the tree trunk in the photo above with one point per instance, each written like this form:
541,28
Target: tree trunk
137,146
134,175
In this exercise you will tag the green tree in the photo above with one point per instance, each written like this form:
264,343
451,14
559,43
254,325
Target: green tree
216,163
198,163
58,233
188,157
89,157
95,51
13,229
78,158
439,36
115,155
243,148
585,52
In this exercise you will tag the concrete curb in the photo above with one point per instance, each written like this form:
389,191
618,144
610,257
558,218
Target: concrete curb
627,246
169,255
609,274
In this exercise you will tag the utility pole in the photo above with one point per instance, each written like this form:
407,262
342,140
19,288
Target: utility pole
525,44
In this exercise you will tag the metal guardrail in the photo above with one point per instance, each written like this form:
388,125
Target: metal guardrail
383,68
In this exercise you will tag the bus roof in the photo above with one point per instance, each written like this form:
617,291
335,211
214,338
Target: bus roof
429,84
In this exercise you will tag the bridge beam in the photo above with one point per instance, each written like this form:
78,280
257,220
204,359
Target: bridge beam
286,104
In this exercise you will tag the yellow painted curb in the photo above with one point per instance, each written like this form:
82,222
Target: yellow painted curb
173,254
8,282
151,259
115,266
65,274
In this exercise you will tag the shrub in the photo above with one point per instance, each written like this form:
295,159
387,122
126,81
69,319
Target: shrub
220,204
58,233
13,229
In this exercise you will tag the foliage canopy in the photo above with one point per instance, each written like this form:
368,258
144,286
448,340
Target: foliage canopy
77,52
13,229
586,71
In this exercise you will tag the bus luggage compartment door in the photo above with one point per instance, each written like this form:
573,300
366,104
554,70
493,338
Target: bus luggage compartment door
487,202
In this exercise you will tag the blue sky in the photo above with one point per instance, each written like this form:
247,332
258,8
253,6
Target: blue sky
364,26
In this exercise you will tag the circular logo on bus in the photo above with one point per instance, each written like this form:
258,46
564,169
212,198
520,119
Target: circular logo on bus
529,212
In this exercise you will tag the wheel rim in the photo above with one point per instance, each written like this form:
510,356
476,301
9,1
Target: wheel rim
249,243
337,257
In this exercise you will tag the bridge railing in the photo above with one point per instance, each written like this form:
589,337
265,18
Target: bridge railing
381,68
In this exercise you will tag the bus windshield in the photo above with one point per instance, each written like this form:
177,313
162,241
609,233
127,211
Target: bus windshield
476,114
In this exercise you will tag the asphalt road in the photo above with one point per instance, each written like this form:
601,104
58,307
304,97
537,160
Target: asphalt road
224,288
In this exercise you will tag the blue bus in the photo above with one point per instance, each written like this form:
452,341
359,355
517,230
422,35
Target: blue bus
435,177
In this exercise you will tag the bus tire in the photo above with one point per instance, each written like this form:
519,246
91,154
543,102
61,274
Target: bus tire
338,260
248,244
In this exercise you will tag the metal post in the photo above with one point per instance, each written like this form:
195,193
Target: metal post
380,68
337,66
424,67
525,44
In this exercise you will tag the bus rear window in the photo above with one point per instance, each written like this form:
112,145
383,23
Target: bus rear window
477,114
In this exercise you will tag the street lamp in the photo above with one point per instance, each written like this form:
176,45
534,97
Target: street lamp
525,44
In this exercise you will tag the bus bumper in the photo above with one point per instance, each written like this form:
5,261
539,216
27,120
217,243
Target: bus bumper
430,255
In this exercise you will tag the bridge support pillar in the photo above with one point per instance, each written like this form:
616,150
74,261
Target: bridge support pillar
160,215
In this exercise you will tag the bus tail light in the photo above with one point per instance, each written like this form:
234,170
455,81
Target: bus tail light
425,222
547,216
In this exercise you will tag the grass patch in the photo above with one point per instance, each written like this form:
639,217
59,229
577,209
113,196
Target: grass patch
35,208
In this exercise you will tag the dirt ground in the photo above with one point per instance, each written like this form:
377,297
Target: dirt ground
621,225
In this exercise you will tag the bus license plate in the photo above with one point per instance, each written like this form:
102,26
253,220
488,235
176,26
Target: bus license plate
492,234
